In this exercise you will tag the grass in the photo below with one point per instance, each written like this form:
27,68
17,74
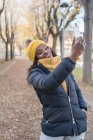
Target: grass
78,72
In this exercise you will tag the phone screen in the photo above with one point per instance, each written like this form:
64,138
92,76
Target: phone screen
76,31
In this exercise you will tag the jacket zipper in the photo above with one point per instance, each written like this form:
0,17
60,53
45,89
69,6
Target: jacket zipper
53,117
73,120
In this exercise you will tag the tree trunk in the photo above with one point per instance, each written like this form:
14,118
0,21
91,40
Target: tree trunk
87,65
11,52
61,39
54,42
6,47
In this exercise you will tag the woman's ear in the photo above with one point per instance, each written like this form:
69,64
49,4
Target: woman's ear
53,52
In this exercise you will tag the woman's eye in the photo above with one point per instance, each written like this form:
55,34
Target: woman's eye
39,52
47,48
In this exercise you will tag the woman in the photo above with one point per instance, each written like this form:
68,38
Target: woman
64,109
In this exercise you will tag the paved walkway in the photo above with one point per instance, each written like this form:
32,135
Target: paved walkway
20,110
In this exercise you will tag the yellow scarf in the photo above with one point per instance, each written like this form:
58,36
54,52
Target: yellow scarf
51,64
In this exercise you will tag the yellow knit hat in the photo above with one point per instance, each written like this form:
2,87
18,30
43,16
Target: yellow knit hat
32,47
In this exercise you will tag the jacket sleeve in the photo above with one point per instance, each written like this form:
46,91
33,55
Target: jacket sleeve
54,79
81,99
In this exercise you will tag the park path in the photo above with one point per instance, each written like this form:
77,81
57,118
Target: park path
20,110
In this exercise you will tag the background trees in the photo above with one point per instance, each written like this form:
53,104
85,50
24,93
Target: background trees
2,3
88,26
8,27
49,19
46,20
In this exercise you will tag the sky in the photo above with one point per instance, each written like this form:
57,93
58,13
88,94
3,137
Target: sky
26,1
22,8
80,20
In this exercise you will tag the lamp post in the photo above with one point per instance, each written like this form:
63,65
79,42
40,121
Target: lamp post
64,7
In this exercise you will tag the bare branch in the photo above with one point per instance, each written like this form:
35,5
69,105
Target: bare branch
1,10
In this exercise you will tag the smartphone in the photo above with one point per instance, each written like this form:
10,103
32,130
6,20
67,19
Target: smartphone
76,31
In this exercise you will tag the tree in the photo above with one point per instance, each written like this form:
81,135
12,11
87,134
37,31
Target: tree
88,25
40,12
51,19
12,37
8,27
12,19
2,8
4,32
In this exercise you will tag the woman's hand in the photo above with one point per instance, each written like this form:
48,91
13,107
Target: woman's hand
84,110
78,47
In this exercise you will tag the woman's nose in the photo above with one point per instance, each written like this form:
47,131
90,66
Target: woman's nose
45,51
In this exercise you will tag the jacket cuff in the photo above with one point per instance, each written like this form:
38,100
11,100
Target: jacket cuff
70,60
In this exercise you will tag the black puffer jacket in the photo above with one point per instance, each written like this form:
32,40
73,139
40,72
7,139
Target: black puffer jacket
62,112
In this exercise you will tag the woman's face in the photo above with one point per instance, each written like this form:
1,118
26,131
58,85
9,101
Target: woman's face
43,52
